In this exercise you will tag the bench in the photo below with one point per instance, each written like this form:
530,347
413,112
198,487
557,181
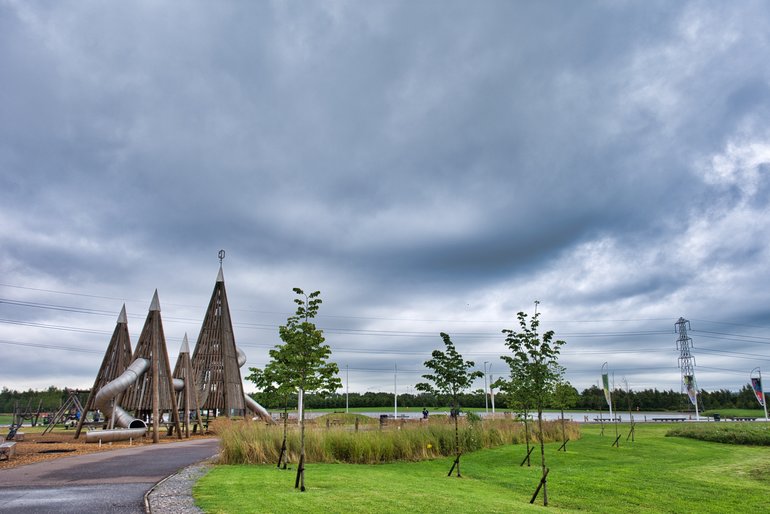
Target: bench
668,419
8,449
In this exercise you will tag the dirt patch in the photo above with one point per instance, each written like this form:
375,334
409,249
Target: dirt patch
55,445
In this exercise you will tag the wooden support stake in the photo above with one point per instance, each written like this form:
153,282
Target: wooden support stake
455,463
617,441
526,459
564,445
540,485
283,453
300,473
631,432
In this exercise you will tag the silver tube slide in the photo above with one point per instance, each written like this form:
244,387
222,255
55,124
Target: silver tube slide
251,404
241,357
257,409
103,399
120,434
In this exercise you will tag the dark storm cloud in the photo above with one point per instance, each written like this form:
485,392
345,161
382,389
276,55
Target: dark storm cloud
415,162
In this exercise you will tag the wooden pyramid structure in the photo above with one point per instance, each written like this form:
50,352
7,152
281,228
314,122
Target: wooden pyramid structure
215,360
116,360
188,401
153,392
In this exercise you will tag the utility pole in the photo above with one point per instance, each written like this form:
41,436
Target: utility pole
491,390
687,363
486,398
395,391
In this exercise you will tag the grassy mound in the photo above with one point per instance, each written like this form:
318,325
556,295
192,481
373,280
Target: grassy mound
757,434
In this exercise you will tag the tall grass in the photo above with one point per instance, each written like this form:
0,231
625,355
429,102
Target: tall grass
254,443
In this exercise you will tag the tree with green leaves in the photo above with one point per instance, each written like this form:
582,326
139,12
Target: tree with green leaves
300,364
271,380
451,376
518,396
535,361
564,397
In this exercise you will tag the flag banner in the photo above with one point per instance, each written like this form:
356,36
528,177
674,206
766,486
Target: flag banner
756,384
692,392
606,383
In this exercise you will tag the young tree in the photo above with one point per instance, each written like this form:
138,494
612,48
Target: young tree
564,397
519,397
300,364
535,360
272,381
450,377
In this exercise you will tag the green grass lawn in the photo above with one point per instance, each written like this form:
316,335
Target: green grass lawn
654,474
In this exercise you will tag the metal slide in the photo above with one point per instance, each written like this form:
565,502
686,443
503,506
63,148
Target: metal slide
252,404
130,426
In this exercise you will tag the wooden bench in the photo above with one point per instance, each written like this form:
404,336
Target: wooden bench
666,420
8,449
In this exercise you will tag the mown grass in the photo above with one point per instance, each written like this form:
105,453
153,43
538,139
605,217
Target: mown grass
653,474
255,443
751,433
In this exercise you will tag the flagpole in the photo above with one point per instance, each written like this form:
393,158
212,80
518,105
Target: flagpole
764,398
761,389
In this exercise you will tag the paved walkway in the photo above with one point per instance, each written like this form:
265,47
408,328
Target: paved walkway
113,482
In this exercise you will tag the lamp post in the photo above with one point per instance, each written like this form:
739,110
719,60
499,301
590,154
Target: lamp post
491,390
486,398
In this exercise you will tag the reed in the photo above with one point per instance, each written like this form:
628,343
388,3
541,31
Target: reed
254,443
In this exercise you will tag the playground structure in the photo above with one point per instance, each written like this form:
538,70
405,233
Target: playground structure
116,360
144,385
63,415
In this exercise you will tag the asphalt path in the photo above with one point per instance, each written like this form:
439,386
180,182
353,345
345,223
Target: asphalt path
114,481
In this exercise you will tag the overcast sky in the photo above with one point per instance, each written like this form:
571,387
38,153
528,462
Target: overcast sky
428,166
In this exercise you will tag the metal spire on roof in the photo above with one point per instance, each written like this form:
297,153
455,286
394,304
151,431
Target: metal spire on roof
185,347
122,316
155,305
220,276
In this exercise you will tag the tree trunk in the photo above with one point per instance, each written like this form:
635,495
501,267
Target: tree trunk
563,431
300,482
457,436
526,435
284,449
542,455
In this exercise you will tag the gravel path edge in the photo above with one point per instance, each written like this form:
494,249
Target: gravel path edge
174,493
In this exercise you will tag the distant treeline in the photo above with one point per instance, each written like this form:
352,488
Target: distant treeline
589,399
48,400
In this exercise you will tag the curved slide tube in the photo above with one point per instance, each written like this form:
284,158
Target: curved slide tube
251,404
103,401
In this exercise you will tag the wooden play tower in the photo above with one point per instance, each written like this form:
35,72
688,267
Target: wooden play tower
116,360
153,392
188,399
215,359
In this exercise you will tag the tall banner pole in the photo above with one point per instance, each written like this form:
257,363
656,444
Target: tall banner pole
606,384
759,391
